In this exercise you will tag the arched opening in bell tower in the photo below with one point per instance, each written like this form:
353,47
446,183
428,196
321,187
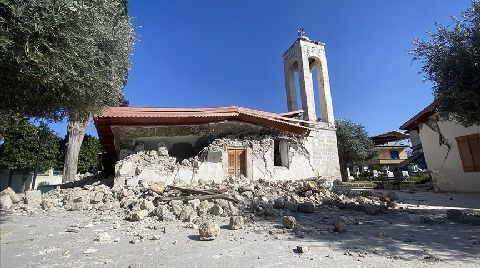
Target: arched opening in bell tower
317,82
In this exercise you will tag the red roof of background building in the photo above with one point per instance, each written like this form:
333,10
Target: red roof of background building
390,136
420,118
152,116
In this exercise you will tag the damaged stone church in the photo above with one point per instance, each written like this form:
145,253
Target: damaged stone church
185,145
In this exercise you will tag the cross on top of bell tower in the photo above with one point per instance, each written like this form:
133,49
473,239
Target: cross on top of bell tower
301,32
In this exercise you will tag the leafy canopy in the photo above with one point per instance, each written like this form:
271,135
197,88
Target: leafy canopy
451,60
353,142
20,147
87,159
63,57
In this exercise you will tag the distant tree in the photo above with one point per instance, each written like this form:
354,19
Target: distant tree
62,59
354,145
20,148
451,61
87,159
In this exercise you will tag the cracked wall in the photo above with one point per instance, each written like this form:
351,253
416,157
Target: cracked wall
145,153
444,162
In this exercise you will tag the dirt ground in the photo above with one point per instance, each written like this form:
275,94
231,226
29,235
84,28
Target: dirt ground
416,234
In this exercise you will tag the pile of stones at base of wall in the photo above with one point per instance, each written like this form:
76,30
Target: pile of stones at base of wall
262,198
248,199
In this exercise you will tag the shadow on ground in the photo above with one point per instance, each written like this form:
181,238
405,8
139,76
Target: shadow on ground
410,232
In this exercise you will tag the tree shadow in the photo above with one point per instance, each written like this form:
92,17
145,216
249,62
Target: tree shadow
425,234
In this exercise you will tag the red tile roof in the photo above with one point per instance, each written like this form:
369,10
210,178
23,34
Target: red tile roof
420,118
151,116
390,136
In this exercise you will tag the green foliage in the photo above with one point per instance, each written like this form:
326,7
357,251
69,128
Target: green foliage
451,61
420,178
87,160
63,57
354,145
20,147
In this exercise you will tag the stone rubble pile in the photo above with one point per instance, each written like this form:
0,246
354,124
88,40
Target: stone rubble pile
200,206
166,203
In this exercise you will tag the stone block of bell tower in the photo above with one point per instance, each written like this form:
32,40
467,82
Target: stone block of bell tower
303,57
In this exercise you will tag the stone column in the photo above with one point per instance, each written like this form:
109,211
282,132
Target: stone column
324,91
306,89
292,103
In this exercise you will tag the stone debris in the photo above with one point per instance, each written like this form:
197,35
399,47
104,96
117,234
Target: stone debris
306,207
209,231
5,202
199,201
236,222
188,214
104,238
216,210
289,222
72,229
8,191
138,215
340,224
199,204
157,187
90,251
14,198
33,198
156,237
164,214
302,249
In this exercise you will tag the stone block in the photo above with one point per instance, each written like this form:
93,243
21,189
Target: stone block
236,222
5,202
209,231
126,169
33,198
289,222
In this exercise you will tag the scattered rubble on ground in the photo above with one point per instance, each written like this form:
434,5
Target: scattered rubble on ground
302,249
204,205
236,211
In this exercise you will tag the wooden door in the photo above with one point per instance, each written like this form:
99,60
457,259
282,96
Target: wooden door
236,162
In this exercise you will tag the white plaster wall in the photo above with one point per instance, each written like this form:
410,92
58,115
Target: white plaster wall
48,179
447,170
299,168
210,171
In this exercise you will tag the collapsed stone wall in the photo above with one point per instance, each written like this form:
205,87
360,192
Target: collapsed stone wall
211,164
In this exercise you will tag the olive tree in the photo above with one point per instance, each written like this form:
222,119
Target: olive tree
354,145
20,148
87,159
64,59
451,61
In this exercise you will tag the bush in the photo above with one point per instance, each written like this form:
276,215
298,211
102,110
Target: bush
420,178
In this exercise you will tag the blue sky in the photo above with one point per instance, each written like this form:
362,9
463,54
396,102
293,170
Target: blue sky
219,53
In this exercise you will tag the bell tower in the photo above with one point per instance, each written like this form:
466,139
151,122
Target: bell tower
306,56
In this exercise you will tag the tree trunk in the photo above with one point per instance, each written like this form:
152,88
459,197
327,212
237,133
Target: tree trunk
10,178
343,171
75,133
24,182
